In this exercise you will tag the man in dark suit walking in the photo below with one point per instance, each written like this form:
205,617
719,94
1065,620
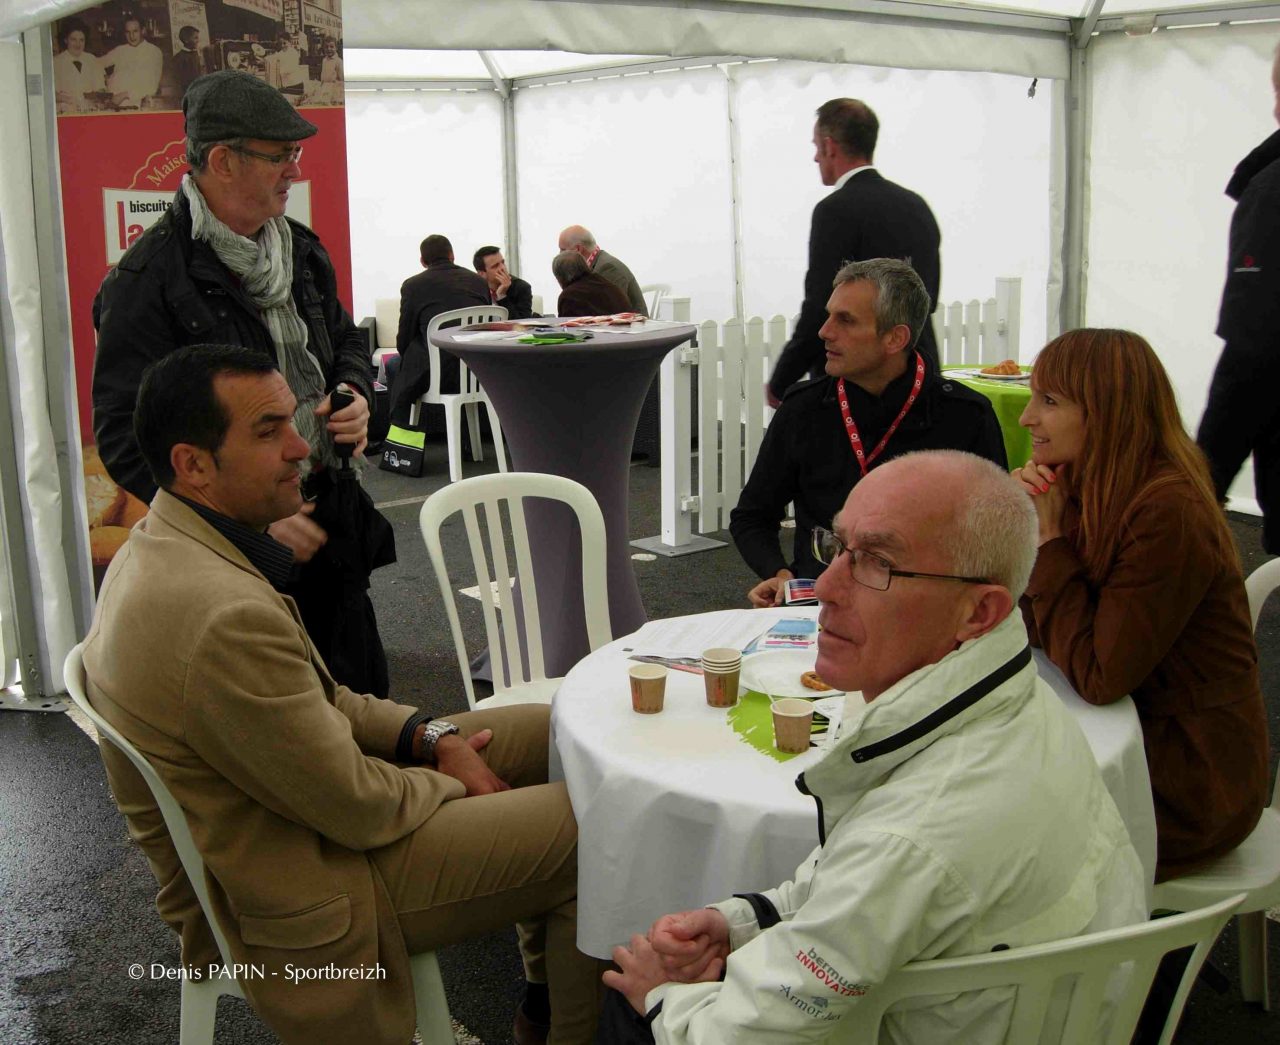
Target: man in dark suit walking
866,217
443,287
511,292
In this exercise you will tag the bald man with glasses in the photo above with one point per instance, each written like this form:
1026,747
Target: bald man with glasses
225,265
960,809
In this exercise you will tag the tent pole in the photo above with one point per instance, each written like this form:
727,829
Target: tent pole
1074,283
735,190
511,205
511,214
19,600
59,360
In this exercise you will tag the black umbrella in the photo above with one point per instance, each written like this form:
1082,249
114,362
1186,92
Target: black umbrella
332,590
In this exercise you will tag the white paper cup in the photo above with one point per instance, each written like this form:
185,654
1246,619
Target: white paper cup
792,722
648,687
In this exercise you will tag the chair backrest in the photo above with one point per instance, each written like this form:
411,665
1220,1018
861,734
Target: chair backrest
510,668
1085,963
654,295
1259,584
386,321
535,302
458,317
174,818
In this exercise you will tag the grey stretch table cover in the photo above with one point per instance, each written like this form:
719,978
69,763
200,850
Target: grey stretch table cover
674,811
571,410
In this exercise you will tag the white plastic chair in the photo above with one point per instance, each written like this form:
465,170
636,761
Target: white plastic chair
199,998
1035,971
515,680
654,295
1252,867
469,394
386,324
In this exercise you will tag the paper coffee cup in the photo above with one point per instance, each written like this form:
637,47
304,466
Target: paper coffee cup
792,722
721,686
648,688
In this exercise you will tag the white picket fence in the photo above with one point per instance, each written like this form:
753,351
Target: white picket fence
733,361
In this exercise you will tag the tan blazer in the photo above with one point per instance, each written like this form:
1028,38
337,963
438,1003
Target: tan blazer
285,777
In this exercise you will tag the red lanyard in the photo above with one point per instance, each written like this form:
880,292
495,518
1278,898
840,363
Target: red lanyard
855,440
591,258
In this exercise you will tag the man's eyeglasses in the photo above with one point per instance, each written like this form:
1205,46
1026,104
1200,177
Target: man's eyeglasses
867,568
292,156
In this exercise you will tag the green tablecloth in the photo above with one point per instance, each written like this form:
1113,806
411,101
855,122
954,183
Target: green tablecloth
1008,398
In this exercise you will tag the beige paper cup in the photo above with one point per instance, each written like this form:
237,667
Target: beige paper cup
648,688
722,687
792,721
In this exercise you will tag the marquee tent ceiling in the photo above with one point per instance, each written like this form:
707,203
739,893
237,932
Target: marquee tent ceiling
1024,38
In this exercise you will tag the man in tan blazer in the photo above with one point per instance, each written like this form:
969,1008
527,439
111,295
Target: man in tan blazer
326,848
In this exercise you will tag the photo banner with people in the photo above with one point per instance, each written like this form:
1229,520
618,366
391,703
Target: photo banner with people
120,71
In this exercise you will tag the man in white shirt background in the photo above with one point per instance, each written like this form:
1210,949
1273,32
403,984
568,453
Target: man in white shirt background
135,67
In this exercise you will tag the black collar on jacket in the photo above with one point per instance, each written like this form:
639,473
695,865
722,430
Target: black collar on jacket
879,411
265,554
1258,160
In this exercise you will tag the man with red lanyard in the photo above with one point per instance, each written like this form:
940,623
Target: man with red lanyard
880,400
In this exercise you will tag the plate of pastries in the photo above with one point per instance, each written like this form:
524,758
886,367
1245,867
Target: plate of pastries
1005,370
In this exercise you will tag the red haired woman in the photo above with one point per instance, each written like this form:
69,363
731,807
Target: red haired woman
1137,587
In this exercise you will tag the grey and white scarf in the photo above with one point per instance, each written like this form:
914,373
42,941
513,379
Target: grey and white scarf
265,268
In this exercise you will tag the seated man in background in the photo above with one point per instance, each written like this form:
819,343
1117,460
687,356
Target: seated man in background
338,831
580,241
960,809
443,287
582,292
880,400
511,292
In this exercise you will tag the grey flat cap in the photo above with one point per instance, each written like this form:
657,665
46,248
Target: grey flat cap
232,104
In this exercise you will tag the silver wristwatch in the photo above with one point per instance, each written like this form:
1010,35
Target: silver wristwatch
436,729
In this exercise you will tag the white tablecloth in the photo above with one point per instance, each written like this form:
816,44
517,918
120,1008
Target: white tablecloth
675,811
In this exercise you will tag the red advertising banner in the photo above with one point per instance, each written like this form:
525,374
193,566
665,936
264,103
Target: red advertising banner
120,71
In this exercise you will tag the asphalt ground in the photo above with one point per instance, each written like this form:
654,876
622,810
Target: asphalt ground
78,897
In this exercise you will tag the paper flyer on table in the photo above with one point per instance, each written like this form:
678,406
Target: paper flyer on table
681,637
787,633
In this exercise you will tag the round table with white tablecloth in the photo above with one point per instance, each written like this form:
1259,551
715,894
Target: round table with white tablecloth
675,811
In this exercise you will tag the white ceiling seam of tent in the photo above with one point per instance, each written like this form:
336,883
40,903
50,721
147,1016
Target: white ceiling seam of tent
664,27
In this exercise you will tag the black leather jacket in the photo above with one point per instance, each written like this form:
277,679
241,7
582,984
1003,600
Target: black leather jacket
169,291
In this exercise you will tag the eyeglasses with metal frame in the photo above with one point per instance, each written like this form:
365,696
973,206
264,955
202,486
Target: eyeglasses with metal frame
868,568
292,156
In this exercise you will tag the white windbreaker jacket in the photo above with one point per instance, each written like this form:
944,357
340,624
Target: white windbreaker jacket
960,812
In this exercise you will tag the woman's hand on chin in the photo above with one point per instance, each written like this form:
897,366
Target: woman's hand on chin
1036,479
1048,490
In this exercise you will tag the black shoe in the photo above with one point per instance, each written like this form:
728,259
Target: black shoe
526,1032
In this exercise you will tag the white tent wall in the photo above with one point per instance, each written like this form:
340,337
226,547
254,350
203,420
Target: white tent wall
1173,113
973,144
419,162
38,548
643,163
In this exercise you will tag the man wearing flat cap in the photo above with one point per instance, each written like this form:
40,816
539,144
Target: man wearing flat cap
225,265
